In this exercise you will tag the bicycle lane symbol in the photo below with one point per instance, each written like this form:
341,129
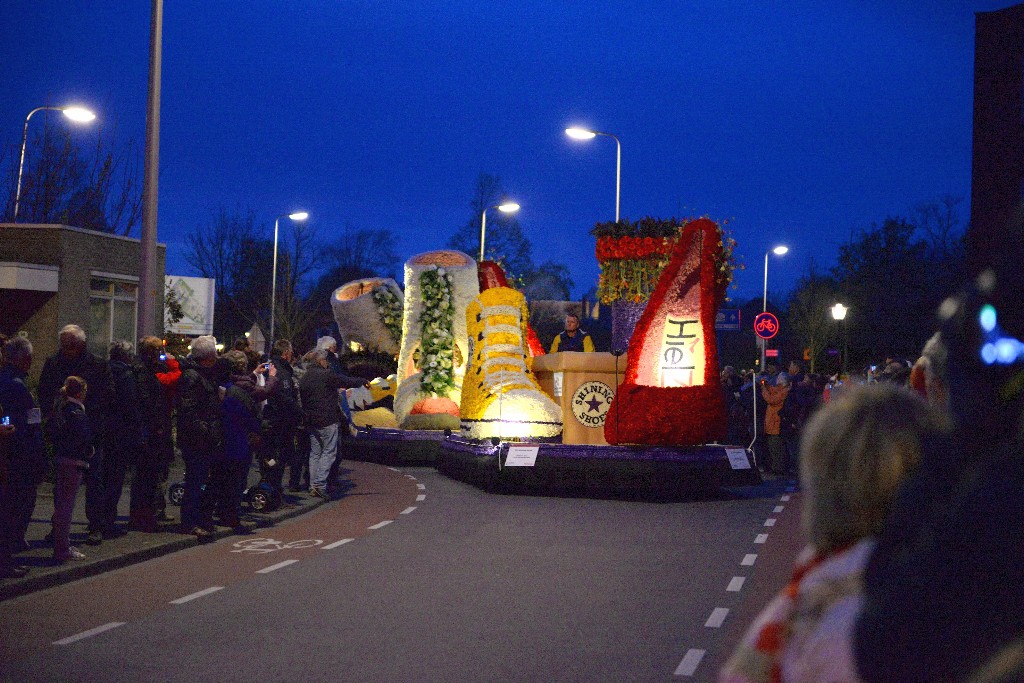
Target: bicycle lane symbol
260,546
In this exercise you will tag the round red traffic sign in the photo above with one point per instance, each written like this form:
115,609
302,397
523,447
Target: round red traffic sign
766,325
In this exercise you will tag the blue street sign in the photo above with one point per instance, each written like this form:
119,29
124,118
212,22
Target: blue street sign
728,319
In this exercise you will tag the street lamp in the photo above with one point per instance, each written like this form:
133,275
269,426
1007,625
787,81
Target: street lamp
584,134
504,207
780,250
297,216
76,114
839,314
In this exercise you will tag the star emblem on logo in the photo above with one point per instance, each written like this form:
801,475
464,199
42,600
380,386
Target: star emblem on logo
594,403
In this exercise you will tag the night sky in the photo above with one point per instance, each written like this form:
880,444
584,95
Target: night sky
799,122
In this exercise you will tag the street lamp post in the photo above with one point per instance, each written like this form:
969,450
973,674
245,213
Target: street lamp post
584,134
778,251
839,313
76,114
296,216
504,207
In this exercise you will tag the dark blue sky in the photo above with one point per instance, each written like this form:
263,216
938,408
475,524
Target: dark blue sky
798,121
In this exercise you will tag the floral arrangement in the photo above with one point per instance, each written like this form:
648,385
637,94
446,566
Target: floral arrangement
633,255
437,355
647,408
389,306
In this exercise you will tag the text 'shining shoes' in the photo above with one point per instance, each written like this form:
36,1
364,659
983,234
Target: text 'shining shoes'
500,396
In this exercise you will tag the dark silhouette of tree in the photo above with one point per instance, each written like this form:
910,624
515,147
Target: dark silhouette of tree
99,191
809,316
505,242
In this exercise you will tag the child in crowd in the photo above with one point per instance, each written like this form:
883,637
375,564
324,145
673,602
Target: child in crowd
855,454
73,440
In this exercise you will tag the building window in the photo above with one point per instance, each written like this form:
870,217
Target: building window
112,313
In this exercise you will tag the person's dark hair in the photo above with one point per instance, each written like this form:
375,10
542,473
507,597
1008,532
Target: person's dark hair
280,346
74,387
241,344
120,350
16,349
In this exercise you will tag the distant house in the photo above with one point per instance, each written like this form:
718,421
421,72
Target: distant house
53,275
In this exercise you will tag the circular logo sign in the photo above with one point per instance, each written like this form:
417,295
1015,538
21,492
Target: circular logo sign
590,403
766,325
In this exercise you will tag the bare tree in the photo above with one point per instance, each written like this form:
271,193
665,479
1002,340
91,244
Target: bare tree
98,191
808,312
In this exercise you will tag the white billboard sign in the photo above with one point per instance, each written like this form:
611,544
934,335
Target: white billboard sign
196,297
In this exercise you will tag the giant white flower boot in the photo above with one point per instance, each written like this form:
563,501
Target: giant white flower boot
500,396
439,286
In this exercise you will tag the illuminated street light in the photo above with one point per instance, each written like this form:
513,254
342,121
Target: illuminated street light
296,216
584,134
76,114
504,207
839,314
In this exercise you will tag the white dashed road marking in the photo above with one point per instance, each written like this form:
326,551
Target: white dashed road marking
407,510
380,525
785,499
770,521
332,546
761,538
421,487
88,634
779,508
717,617
420,498
690,662
749,559
198,594
275,567
394,469
736,584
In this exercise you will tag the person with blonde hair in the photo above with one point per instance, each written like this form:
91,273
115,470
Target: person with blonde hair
855,454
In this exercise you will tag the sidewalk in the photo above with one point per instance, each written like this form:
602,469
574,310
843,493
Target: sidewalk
130,548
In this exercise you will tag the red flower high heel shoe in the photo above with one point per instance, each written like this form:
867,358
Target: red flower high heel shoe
671,393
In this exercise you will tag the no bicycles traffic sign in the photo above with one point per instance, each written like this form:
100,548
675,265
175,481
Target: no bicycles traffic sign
766,325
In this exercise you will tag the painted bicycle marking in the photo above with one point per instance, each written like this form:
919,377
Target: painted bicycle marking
270,545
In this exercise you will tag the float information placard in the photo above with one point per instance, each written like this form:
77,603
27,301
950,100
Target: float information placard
521,455
737,458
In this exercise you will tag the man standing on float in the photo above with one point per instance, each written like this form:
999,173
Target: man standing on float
573,338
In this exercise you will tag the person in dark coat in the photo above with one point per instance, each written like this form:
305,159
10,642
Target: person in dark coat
73,358
200,430
156,374
318,390
230,470
26,455
127,435
281,418
74,451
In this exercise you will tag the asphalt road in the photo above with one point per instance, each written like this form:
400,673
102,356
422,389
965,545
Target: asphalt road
415,577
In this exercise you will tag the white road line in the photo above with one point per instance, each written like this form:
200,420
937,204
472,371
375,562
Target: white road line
409,476
690,662
420,498
332,546
380,525
407,510
785,498
421,487
199,594
275,567
761,538
748,560
394,469
770,521
736,584
779,508
717,617
88,634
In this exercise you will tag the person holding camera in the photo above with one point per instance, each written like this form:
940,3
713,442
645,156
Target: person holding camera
72,438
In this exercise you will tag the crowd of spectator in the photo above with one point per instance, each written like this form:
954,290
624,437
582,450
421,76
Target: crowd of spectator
105,420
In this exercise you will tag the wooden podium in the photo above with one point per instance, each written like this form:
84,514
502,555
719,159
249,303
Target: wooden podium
583,384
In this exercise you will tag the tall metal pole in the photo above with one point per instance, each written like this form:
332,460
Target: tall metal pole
149,287
273,287
618,175
483,230
764,307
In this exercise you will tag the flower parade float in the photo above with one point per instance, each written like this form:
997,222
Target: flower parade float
648,423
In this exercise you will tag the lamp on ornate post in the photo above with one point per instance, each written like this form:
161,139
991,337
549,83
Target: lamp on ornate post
504,207
296,216
584,134
839,313
76,114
